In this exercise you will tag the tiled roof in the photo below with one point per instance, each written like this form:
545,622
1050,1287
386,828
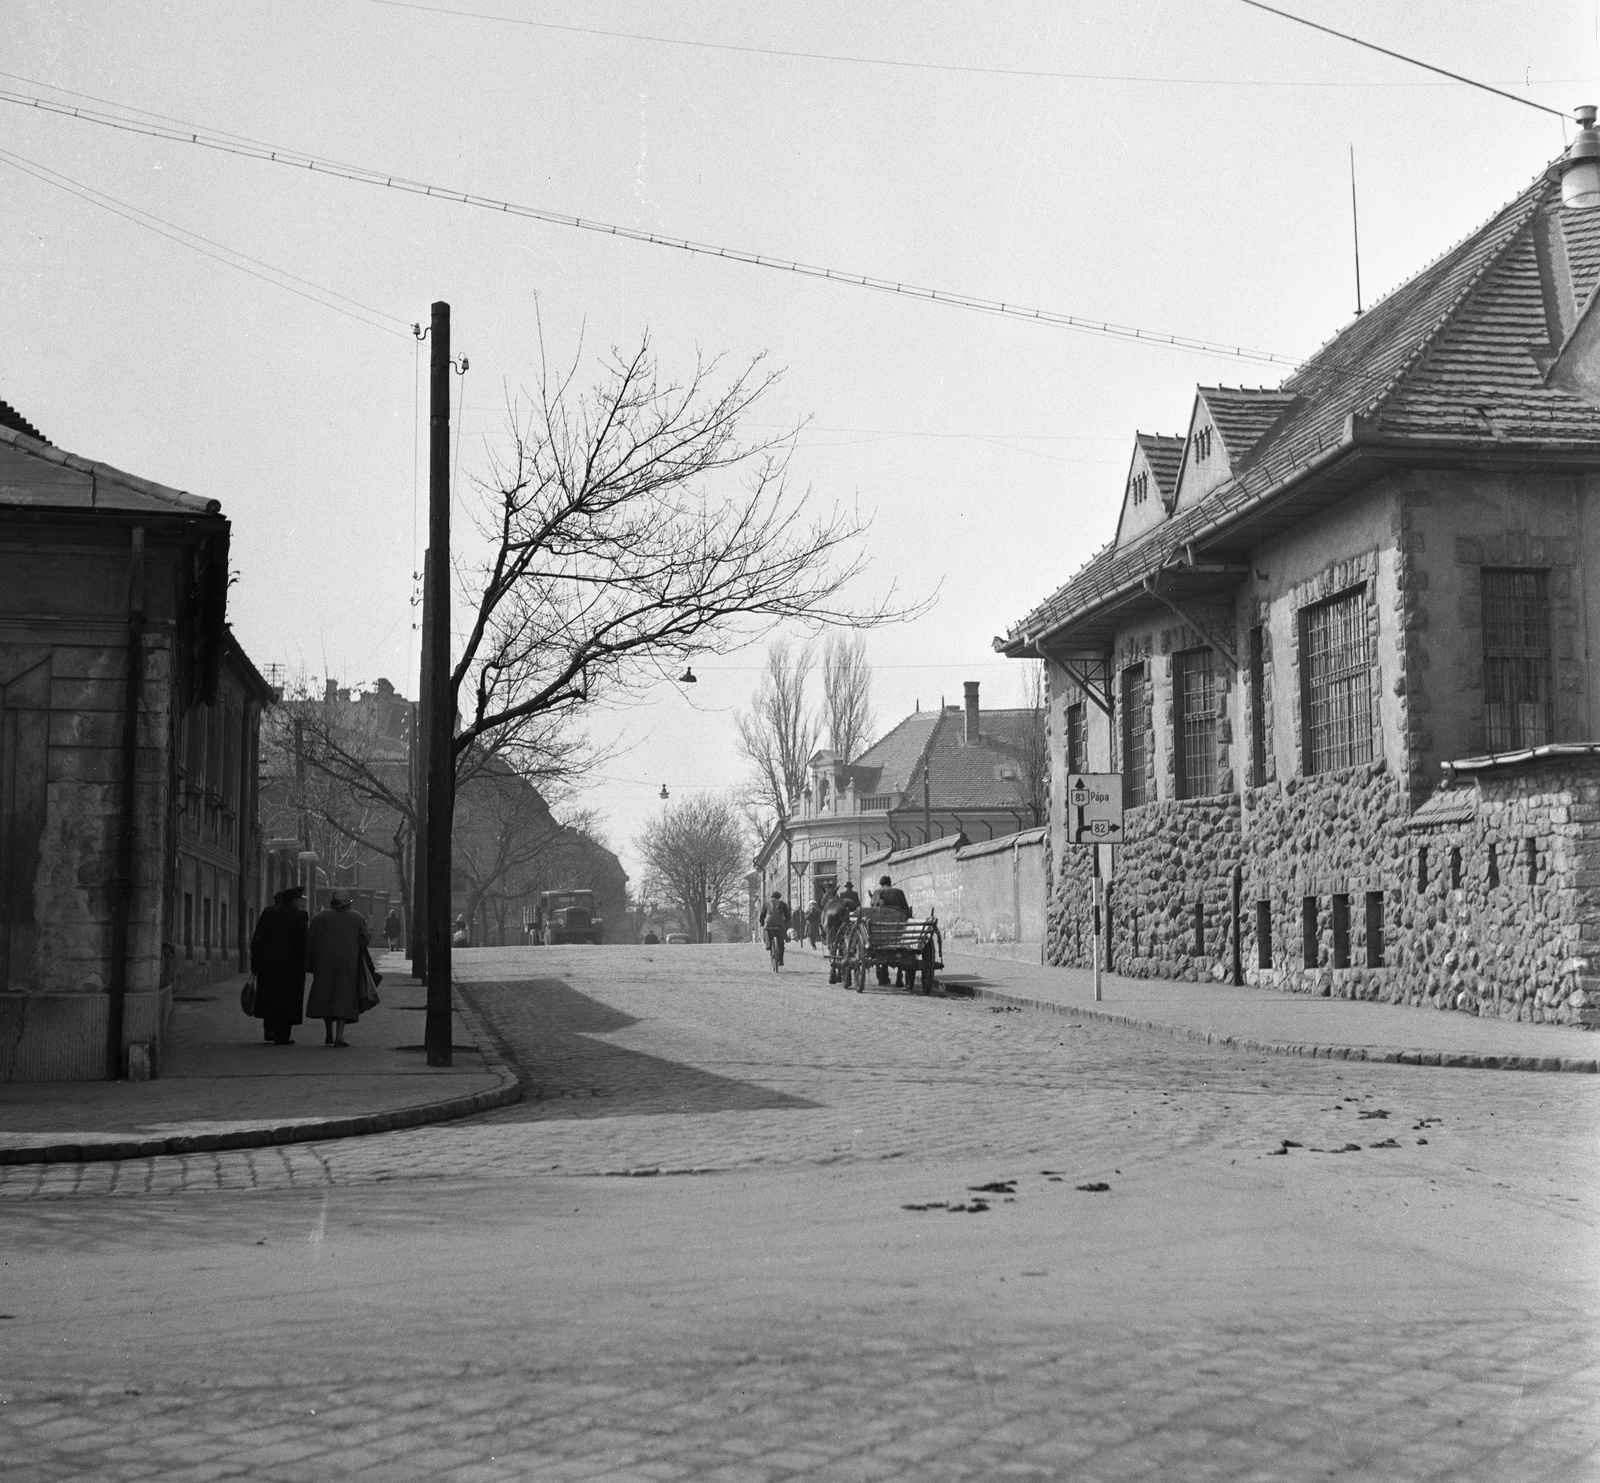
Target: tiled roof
1446,807
37,474
959,776
1165,456
985,775
1449,356
888,764
10,417
1243,414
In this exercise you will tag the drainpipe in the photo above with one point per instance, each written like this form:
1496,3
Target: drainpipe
122,879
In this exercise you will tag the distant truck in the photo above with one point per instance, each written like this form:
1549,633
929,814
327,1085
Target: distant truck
567,916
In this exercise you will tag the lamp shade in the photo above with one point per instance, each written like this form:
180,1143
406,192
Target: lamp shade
1579,168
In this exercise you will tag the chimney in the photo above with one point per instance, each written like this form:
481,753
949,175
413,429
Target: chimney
971,690
330,692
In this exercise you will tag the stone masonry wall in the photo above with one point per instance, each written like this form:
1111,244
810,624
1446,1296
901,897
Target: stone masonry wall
1502,913
1170,904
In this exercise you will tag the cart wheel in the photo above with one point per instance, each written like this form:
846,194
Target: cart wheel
928,984
861,977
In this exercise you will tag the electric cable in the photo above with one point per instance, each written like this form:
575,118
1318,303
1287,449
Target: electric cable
1471,82
959,67
299,159
184,237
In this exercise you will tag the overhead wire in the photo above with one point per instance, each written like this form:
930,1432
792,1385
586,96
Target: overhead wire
209,247
1470,82
300,159
972,68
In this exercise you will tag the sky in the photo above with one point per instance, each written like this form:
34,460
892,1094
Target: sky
1185,169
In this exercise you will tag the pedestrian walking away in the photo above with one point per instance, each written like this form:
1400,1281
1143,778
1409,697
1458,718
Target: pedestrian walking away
278,962
335,943
814,923
392,930
775,925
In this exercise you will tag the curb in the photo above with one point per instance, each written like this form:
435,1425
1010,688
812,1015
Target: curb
1453,1059
356,1126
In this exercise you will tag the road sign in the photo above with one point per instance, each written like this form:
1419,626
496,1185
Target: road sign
1094,807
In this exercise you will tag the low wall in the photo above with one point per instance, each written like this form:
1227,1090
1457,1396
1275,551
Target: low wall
989,897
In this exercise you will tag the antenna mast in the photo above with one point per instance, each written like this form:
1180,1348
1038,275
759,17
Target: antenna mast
1355,227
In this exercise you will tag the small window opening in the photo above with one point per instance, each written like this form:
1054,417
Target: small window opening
1263,934
1199,927
1341,931
1374,929
1108,929
1494,867
1531,849
1422,869
1309,931
1455,867
1136,934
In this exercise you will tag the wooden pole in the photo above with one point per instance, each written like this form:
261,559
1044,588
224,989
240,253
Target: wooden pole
420,713
440,717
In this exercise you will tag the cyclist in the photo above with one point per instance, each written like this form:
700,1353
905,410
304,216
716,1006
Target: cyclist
775,925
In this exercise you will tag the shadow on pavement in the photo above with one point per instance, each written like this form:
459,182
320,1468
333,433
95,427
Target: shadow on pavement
543,1027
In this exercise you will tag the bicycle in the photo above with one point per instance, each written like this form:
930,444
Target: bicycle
775,949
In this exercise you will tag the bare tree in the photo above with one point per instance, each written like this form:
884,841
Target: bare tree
633,528
779,734
847,695
695,855
333,780
503,829
1034,779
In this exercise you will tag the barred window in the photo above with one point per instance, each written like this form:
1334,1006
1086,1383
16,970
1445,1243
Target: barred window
1516,660
1258,708
1077,739
1336,683
1194,729
1135,712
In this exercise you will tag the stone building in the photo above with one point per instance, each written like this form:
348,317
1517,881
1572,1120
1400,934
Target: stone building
128,714
940,773
1339,650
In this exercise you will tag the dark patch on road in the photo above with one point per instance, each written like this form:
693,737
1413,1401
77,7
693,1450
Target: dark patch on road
544,1028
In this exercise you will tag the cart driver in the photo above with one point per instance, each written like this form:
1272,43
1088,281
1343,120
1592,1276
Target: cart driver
889,897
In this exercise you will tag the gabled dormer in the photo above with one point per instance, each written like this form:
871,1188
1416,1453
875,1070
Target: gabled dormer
1152,484
1228,425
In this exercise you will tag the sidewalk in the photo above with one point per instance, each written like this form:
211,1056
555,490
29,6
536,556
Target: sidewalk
222,1086
1280,1023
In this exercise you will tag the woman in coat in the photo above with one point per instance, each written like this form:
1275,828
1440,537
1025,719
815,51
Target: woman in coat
278,961
335,946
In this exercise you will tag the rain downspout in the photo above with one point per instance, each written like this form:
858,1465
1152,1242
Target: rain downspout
122,880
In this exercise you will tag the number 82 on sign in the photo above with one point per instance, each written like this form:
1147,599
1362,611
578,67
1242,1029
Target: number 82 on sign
1094,807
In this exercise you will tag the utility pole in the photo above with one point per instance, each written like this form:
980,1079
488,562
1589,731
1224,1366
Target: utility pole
420,720
439,719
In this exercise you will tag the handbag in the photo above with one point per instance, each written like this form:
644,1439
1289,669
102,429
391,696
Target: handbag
247,997
367,982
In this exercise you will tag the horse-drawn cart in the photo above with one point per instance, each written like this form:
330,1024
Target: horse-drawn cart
881,940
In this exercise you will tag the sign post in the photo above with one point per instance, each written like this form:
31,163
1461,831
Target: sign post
1094,818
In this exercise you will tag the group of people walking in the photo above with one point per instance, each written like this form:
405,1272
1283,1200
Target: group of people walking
333,947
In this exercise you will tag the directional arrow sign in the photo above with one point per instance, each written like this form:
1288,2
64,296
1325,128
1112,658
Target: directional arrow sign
1094,807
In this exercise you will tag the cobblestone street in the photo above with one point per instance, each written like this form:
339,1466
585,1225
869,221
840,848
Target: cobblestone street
752,1227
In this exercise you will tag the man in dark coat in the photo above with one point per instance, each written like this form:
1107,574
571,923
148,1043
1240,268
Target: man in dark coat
889,897
278,961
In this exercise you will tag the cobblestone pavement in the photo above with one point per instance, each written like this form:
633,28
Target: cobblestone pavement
813,1287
